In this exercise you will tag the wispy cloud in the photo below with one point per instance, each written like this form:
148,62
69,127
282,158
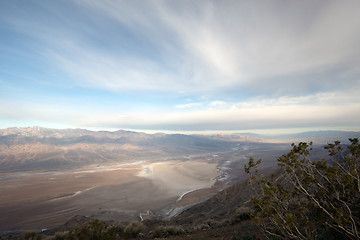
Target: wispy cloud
252,43
189,105
209,46
260,64
250,115
319,110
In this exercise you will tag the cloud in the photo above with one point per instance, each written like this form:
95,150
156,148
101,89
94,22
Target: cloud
94,69
257,45
321,110
232,119
258,64
203,46
217,104
189,105
42,112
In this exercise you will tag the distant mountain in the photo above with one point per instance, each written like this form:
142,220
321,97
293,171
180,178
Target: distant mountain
70,136
37,148
317,137
227,137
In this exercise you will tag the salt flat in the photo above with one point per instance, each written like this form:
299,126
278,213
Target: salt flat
38,200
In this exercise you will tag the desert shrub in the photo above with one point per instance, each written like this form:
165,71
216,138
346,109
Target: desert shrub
96,230
202,226
241,214
115,230
167,231
61,236
310,199
93,230
32,236
134,228
214,224
245,237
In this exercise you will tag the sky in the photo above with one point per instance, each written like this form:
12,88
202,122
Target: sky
182,66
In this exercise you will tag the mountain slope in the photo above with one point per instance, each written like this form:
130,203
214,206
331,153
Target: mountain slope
218,208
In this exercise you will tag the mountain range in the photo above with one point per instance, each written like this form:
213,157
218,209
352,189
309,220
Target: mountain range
37,148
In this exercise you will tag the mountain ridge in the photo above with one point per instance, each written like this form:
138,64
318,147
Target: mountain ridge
319,137
34,147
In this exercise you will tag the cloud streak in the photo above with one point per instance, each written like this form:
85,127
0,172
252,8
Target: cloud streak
205,65
244,44
210,45
314,111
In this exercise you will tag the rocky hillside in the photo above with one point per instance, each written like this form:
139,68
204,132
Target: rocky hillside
222,207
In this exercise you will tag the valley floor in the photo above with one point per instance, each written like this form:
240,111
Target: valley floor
125,192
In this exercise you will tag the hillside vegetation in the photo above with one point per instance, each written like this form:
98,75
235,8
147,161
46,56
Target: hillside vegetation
310,199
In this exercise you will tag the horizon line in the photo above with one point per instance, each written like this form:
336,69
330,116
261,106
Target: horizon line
265,132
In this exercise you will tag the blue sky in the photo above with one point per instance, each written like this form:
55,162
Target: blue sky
180,65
